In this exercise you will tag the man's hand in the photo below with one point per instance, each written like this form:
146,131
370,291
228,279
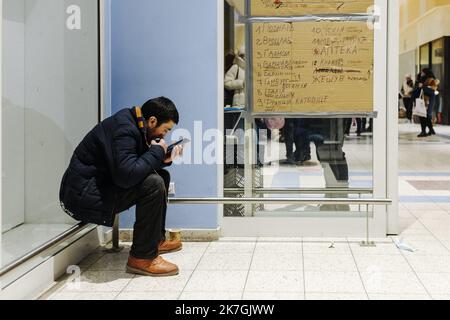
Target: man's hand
176,152
161,143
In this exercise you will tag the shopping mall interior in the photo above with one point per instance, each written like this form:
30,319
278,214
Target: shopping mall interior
351,202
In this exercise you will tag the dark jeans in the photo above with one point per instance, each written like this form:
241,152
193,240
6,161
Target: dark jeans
364,124
349,125
409,107
294,135
150,198
426,122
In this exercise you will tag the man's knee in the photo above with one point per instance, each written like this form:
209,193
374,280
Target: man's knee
154,183
165,175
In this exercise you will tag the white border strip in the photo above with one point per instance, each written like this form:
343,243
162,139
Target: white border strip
1,112
220,97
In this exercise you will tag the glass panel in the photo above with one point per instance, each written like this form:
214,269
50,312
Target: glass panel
50,100
437,61
437,58
424,56
312,158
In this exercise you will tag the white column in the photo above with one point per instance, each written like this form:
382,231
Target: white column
220,113
392,116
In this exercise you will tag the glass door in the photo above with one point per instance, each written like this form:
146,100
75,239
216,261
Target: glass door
50,100
306,154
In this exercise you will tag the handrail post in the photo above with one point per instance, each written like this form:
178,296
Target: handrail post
367,243
115,237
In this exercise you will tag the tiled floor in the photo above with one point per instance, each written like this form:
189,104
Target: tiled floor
306,268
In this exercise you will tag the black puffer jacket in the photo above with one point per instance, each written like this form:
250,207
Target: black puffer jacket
113,156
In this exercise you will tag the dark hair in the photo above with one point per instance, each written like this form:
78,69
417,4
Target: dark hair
162,108
229,60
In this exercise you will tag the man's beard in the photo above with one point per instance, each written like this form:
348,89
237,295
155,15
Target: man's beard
151,136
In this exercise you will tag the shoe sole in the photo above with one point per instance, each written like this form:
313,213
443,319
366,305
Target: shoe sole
144,273
170,251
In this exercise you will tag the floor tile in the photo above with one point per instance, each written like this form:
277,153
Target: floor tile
324,240
231,247
216,281
335,262
333,282
184,261
398,296
436,283
84,296
276,262
427,263
406,237
156,295
436,214
275,281
238,239
280,239
435,223
376,240
87,262
382,248
111,262
147,284
446,243
208,295
325,248
336,296
416,227
278,247
427,206
445,206
98,281
225,261
382,263
376,281
427,248
440,296
195,247
253,295
442,234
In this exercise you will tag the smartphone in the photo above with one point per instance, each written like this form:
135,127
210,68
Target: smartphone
182,141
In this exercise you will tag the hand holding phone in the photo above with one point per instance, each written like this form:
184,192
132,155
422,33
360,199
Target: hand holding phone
175,150
160,142
180,142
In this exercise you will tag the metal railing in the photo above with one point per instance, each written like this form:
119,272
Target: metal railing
62,237
201,201
303,191
219,201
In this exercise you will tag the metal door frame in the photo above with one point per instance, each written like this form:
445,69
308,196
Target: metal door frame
384,157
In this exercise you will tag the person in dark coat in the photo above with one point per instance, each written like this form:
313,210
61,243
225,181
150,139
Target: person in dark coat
425,84
120,164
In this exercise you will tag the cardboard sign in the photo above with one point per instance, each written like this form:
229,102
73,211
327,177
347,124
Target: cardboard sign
312,67
302,7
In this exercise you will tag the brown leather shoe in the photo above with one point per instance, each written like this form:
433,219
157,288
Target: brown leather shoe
168,246
157,267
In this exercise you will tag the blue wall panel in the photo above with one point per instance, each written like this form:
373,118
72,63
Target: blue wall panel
169,48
